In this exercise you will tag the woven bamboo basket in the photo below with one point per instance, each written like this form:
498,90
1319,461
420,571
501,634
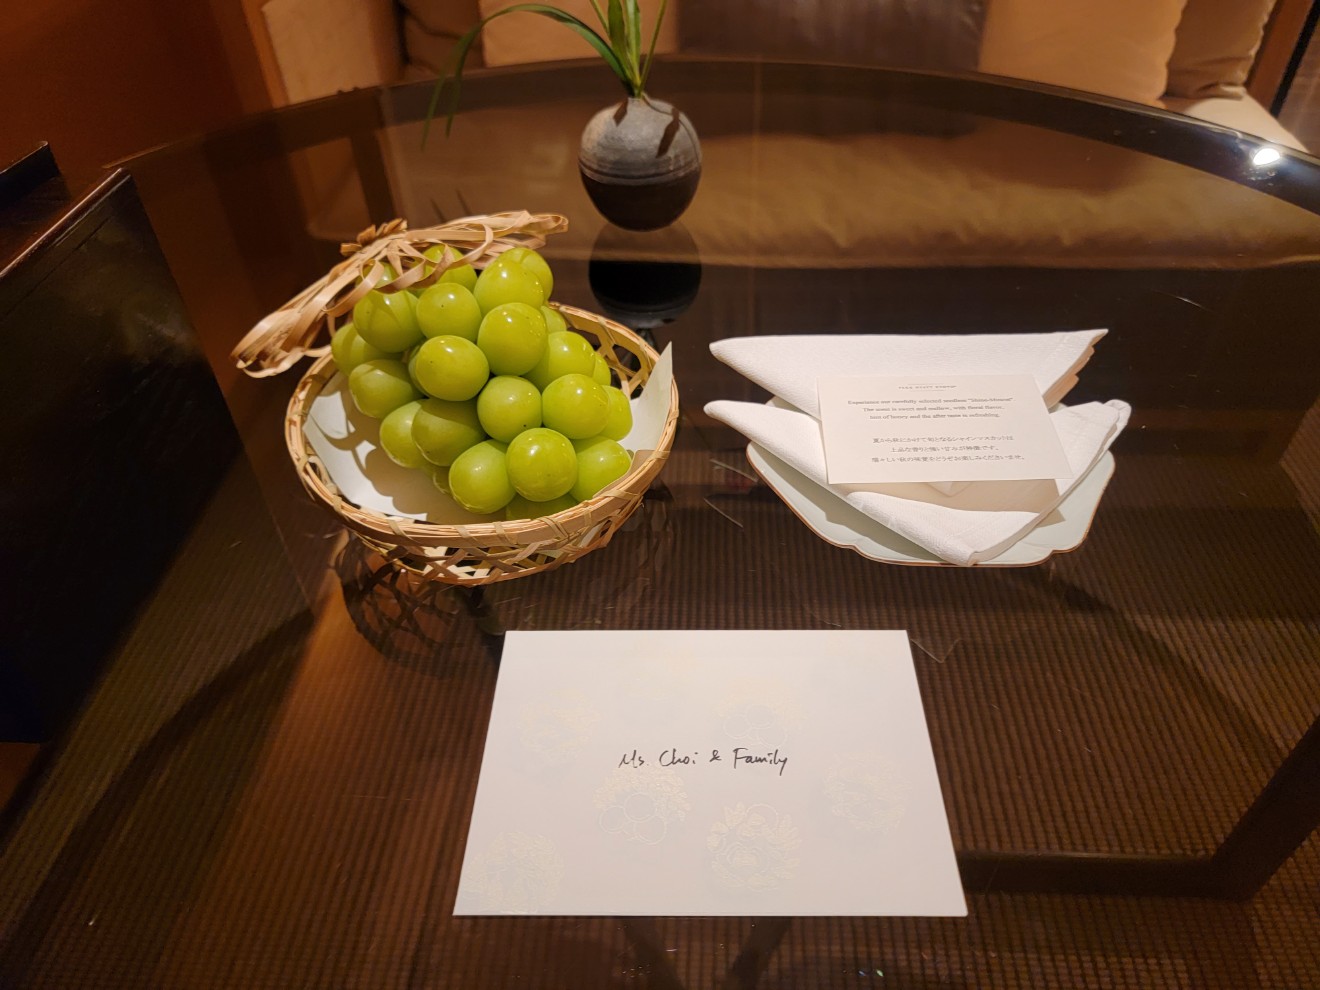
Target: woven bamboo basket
460,554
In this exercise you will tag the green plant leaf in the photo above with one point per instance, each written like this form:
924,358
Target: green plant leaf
464,46
650,52
633,21
618,31
459,58
600,16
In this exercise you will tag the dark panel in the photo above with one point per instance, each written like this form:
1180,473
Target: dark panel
113,434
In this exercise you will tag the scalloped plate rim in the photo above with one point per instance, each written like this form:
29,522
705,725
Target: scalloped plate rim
803,497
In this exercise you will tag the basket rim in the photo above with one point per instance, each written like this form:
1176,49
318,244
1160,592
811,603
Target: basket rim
557,528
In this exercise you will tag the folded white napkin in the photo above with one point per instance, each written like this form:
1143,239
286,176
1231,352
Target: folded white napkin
788,366
979,522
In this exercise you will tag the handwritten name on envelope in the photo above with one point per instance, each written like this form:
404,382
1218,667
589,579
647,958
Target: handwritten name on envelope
738,757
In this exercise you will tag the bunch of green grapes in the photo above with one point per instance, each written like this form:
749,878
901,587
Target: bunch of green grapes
480,384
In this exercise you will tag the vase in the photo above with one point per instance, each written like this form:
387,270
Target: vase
640,162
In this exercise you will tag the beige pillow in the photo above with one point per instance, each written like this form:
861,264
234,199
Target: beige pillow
431,51
527,37
328,46
909,33
451,17
1117,48
1217,42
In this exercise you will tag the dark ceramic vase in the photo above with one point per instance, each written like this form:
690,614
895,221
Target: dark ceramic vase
640,163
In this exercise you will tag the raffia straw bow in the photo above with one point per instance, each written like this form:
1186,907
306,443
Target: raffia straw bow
287,335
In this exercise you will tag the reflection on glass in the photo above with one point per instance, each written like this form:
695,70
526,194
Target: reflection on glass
643,294
427,625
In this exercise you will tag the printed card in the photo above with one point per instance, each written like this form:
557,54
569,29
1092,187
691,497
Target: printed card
947,428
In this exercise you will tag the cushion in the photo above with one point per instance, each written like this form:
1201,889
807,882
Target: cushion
528,37
451,17
433,50
1117,48
328,46
1216,45
906,33
1241,113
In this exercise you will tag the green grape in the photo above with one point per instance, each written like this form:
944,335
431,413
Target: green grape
542,464
525,508
410,361
513,337
448,308
439,253
363,308
600,371
566,353
479,478
507,406
350,350
575,406
601,461
500,284
389,276
442,430
464,275
391,322
529,261
450,368
380,386
619,421
554,320
396,437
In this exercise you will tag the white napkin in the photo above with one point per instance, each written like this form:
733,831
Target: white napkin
978,523
788,366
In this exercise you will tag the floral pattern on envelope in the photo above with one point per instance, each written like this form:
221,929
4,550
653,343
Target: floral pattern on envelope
642,804
516,873
868,792
557,728
751,848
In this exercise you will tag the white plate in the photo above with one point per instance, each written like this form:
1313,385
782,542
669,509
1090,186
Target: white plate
837,522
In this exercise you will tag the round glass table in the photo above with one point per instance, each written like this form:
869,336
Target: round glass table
260,772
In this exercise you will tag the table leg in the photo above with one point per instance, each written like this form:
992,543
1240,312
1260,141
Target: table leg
1281,818
748,968
645,938
373,176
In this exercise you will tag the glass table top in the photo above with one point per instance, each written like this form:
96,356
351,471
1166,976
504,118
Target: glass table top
267,773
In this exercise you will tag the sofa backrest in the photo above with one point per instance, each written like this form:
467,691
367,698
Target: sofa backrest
432,27
1216,46
1136,50
1118,48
